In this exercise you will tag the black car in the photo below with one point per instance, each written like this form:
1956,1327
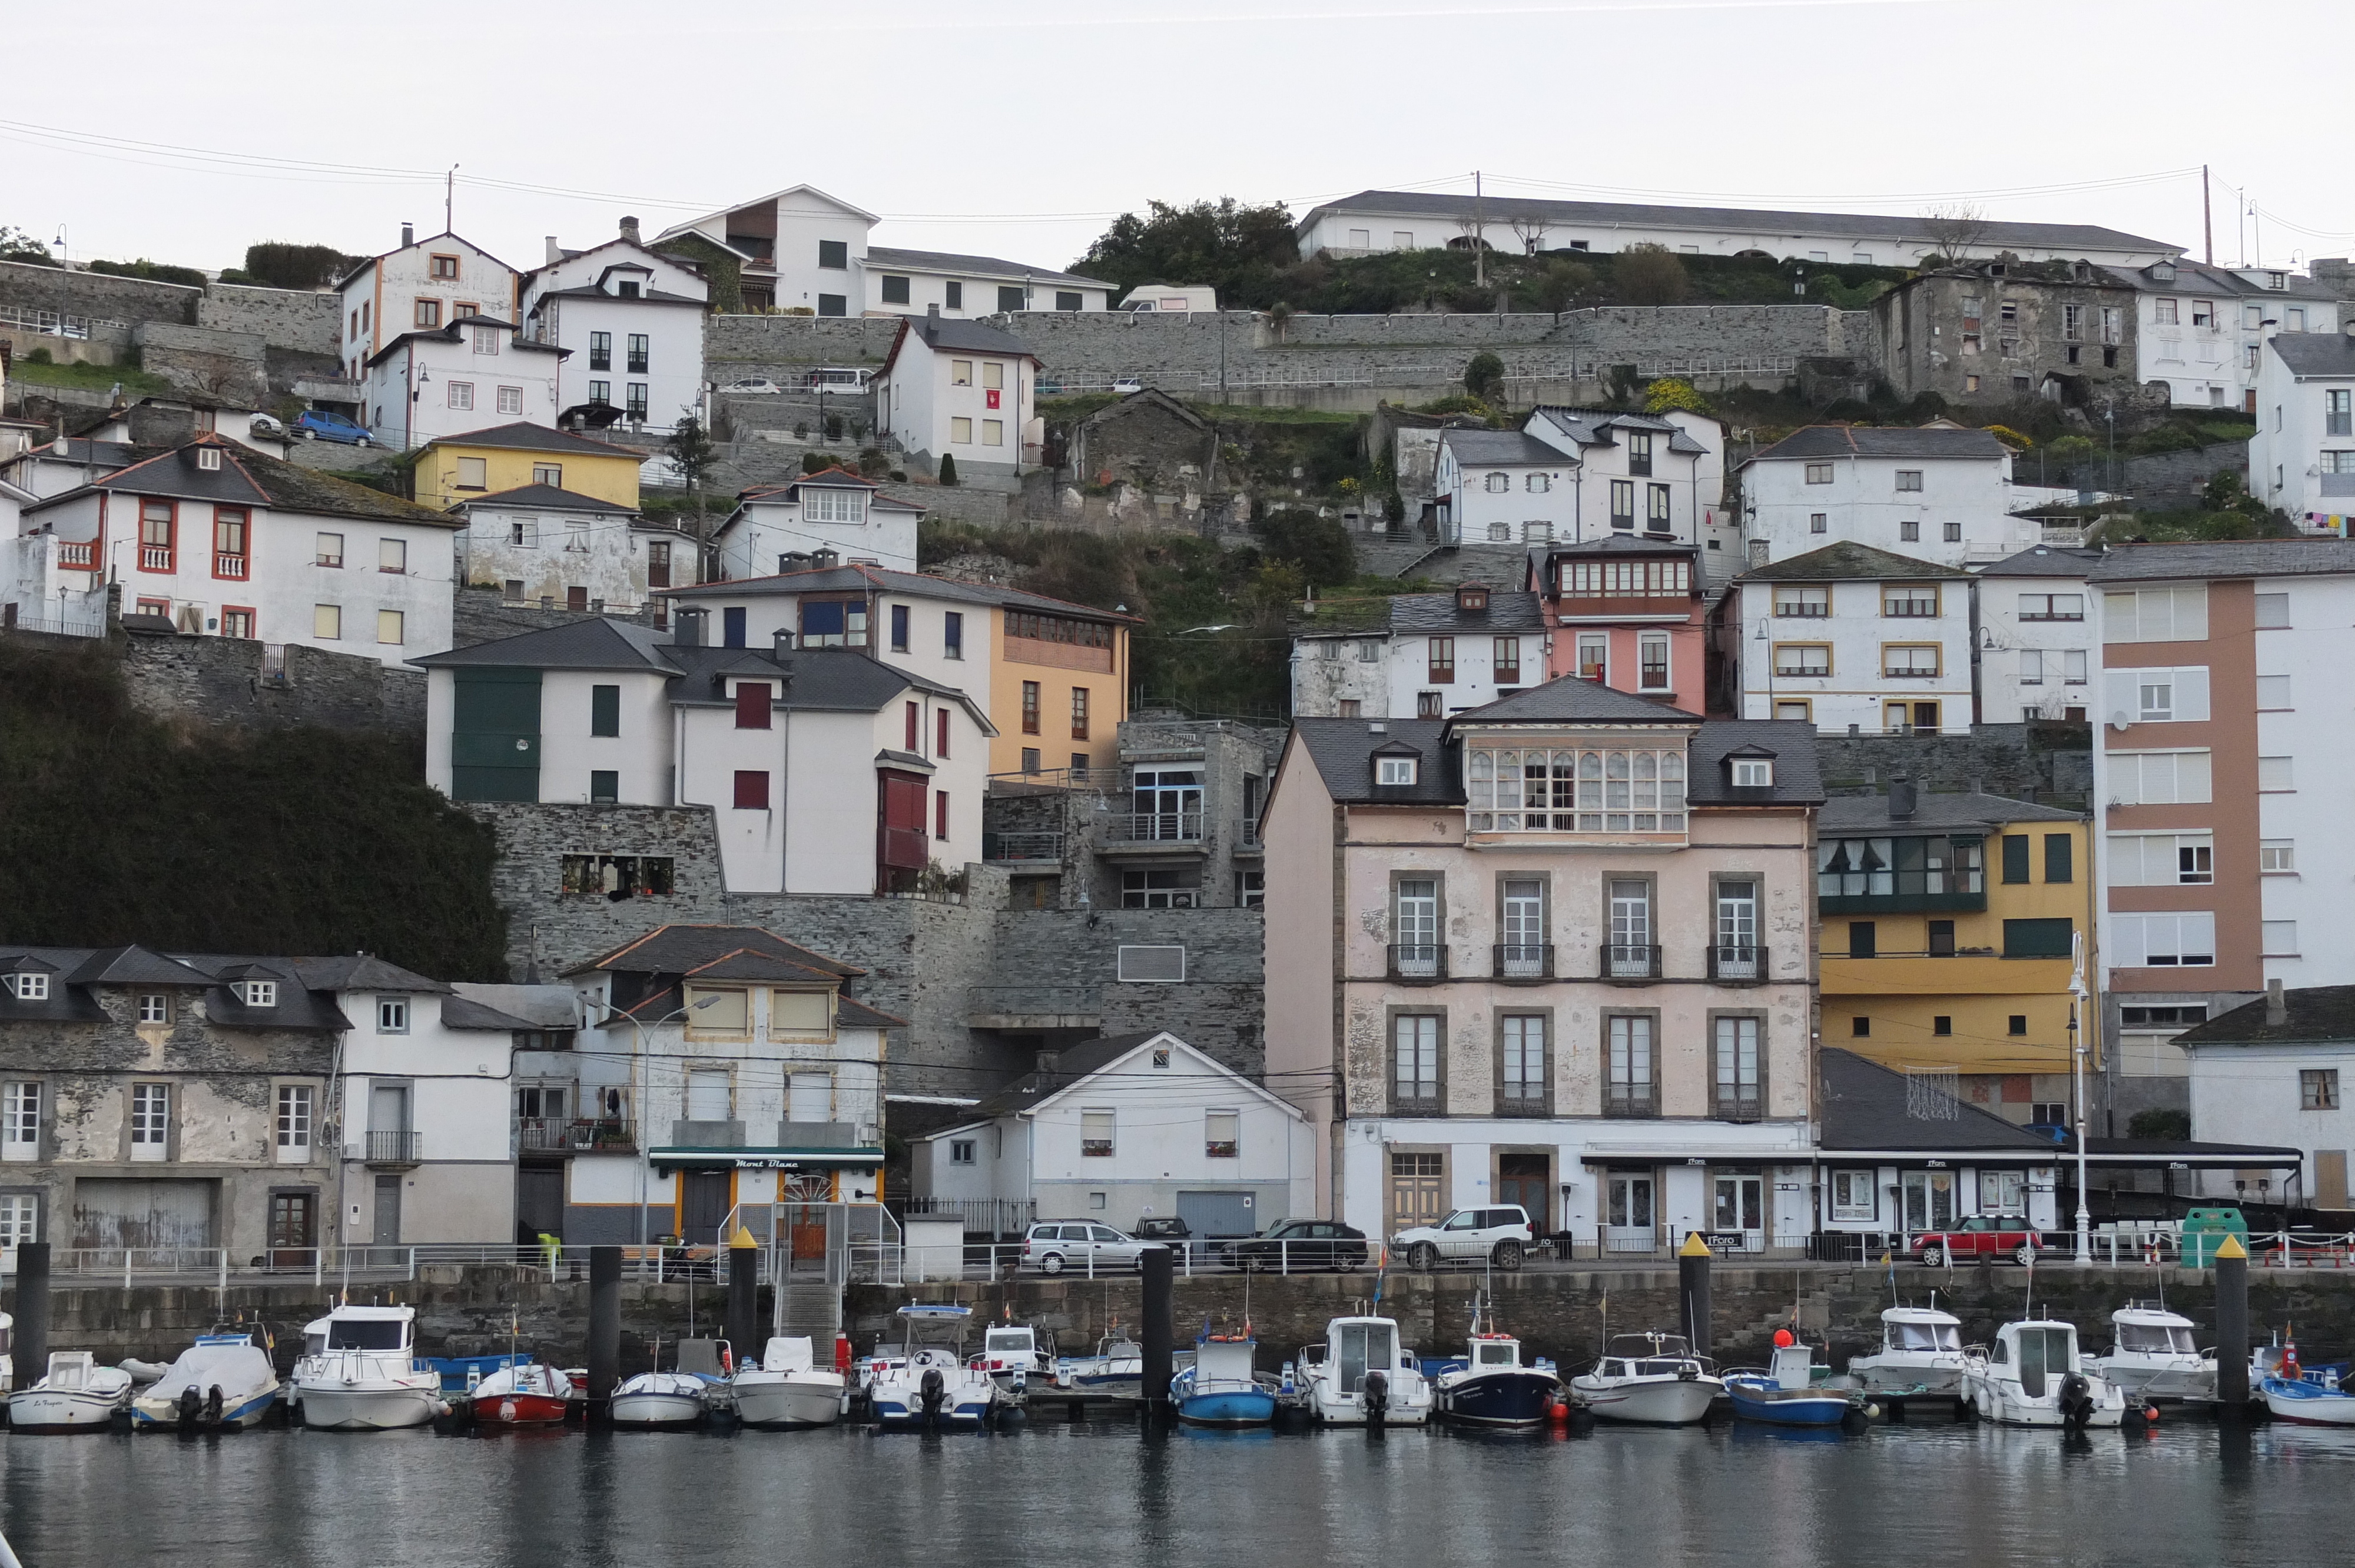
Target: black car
1300,1244
1163,1227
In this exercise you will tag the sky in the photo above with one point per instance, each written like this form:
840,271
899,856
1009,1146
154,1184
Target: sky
1021,128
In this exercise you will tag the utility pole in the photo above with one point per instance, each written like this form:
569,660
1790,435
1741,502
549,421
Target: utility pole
1479,227
450,201
2207,221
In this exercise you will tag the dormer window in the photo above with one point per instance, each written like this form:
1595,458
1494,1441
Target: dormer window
2163,273
208,459
627,289
1472,599
259,993
1585,789
1394,770
1753,772
29,985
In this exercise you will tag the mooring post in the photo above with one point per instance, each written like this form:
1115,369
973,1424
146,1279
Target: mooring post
744,1294
2232,1262
604,1326
1693,1259
31,1345
1161,1291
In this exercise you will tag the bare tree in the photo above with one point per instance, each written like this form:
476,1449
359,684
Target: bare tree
1957,228
1532,232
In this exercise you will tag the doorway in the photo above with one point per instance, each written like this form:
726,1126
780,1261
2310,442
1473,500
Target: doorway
386,1232
804,1198
540,1203
1418,1189
703,1205
1929,1200
1526,1178
293,1228
1739,1207
1627,1223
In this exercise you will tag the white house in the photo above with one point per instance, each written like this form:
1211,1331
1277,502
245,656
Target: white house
1572,475
2038,652
2201,330
1431,655
805,250
2302,458
422,286
219,539
1502,486
540,544
825,770
2275,1072
1123,1128
1848,636
429,384
961,389
633,320
1374,221
782,527
734,1073
1939,494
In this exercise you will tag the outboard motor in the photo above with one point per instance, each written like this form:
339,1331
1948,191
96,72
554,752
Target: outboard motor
213,1402
2076,1402
933,1392
192,1404
1376,1398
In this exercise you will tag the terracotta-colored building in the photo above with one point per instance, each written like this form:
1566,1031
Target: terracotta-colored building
1628,613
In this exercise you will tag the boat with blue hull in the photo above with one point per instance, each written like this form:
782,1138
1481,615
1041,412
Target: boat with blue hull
223,1381
1222,1388
930,1383
1787,1394
1490,1387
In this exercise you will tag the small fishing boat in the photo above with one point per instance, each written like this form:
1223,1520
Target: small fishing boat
366,1376
1361,1376
1116,1370
525,1393
223,1381
931,1384
2154,1356
787,1388
2035,1376
660,1401
2308,1396
77,1394
1222,1388
1652,1379
1921,1352
1788,1393
1491,1387
1015,1356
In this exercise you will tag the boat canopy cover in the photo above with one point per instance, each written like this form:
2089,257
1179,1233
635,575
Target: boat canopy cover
237,1369
788,1354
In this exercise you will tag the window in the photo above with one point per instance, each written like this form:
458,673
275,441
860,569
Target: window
1030,707
915,726
1897,868
1942,938
1623,505
2339,412
1737,1067
833,304
1594,655
2160,777
952,635
1863,939
2014,857
1859,1028
1856,1195
1029,759
1442,661
834,255
487,340
962,1149
1079,713
751,790
1415,926
1629,1088
1498,484
155,535
2294,319
1818,522
640,351
940,814
1394,770
1909,479
2059,858
600,351
1504,659
1583,790
899,617
327,623
960,431
1414,1061
257,993
2051,606
2064,667
1910,532
151,1120
2278,938
1011,297
2156,615
2317,1088
21,1121
294,1108
940,731
2163,312
830,503
1169,889
429,314
1820,474
1069,300
328,550
2278,854
1652,662
605,786
1752,772
2273,692
1630,953
833,623
1524,1064
753,708
2273,773
993,432
29,985
1795,711
1540,483
1639,453
953,296
1910,659
1909,601
392,555
1803,659
2273,612
1813,603
1251,889
548,473
390,628
2163,941
1656,505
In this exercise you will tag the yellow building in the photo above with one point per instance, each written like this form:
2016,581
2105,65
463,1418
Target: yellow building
1947,922
509,457
1058,685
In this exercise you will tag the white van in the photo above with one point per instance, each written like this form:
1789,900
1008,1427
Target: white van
1170,299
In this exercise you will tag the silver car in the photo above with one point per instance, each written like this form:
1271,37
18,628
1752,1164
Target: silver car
1053,1246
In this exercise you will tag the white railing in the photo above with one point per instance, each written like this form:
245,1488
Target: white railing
56,323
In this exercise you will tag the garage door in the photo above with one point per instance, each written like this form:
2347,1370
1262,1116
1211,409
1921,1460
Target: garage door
1218,1213
109,1212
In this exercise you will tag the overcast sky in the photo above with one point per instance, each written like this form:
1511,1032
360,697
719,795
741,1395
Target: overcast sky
1018,128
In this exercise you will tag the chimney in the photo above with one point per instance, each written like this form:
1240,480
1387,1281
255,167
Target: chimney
555,251
1049,1060
2276,1004
781,643
688,632
630,229
1900,799
408,234
933,311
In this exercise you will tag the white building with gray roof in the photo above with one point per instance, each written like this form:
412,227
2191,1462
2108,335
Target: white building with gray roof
2037,648
2201,330
2302,458
1939,492
1419,655
1570,474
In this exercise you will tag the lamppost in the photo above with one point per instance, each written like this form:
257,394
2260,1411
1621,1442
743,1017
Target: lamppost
2077,1075
638,1062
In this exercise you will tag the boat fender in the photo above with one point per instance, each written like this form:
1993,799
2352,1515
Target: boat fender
1376,1397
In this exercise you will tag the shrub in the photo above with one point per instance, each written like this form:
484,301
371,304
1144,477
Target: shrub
1484,377
1318,547
873,461
816,462
38,357
2161,1123
833,427
2010,437
1650,275
1669,393
948,467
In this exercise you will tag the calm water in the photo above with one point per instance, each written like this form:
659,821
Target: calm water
1927,1494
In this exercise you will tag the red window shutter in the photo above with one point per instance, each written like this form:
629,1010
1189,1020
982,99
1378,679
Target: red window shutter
751,790
940,814
915,733
941,742
752,705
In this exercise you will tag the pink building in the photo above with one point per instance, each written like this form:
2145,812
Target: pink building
1628,613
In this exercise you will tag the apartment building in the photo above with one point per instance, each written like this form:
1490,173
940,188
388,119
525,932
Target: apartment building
633,320
2204,329
2037,655
1628,613
1426,654
1555,951
422,285
2302,458
1939,494
1850,638
1572,475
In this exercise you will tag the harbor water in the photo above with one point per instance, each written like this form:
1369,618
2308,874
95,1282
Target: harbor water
1927,1493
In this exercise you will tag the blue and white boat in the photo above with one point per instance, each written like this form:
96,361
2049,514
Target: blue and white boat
1786,1394
2310,1396
1222,1388
223,1381
1490,1387
932,1384
1115,1371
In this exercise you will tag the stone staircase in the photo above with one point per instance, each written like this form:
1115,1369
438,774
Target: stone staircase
813,1310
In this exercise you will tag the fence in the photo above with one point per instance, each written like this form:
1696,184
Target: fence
1421,373
57,323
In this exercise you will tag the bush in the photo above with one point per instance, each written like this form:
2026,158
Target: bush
816,462
2010,437
873,461
1317,547
2168,1124
1650,275
948,467
277,264
1850,411
1484,377
38,357
833,427
1669,393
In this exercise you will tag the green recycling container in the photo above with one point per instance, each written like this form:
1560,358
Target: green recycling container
2204,1231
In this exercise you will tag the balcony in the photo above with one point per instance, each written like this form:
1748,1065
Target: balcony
228,566
1631,961
903,849
561,1135
76,554
1247,839
1032,1007
1737,964
1418,962
1158,827
155,557
817,1134
2336,484
687,1132
395,1149
1022,849
1737,1103
1521,960
1636,1100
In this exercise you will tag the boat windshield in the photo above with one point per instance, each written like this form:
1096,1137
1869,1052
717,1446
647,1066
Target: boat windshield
1363,1346
1007,1339
365,1334
2156,1339
1496,1352
1637,1345
1925,1337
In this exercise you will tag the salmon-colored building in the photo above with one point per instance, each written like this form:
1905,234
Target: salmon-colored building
1628,613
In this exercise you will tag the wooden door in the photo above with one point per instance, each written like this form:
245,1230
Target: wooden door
1418,1189
703,1205
2331,1177
293,1229
1527,1180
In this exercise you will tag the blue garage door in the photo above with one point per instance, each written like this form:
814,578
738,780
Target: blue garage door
1218,1213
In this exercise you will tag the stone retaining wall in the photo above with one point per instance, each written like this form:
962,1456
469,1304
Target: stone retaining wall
223,680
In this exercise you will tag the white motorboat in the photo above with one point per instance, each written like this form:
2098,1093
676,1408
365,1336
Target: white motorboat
2035,1376
1015,1355
224,1381
656,1401
366,1376
1653,1379
1921,1352
1361,1376
1116,1370
76,1395
788,1388
931,1384
2154,1356
7,1346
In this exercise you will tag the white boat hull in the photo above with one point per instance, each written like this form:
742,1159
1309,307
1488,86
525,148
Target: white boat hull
336,1408
1896,1371
2176,1379
653,1410
2005,1403
1651,1401
62,1410
237,1413
1406,1408
789,1402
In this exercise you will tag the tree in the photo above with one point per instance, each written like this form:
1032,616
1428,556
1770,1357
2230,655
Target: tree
948,467
2160,1123
1955,228
281,264
1564,284
1484,377
1649,275
1318,547
1239,250
16,245
1530,231
154,271
692,448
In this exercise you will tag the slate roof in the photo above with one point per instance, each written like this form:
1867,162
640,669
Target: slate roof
522,436
1845,560
1798,771
643,297
2315,353
1566,699
952,334
539,1006
1867,440
886,257
858,1015
1622,545
1594,427
2226,558
305,992
1934,811
448,333
1500,448
1342,751
1508,611
248,478
2314,1014
677,948
1071,1064
2045,561
597,643
2198,278
1865,1105
882,579
465,1013
547,498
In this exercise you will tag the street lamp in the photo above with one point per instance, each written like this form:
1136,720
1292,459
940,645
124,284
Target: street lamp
637,1088
2077,1077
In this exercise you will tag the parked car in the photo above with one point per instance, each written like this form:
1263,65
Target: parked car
754,386
1300,1244
1126,385
326,425
265,427
1054,1245
1502,1235
1981,1236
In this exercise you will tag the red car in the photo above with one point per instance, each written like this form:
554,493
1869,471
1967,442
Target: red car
1981,1236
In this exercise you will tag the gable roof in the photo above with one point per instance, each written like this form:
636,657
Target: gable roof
1593,426
1568,699
733,207
1866,1105
889,256
951,334
1501,449
1798,771
545,498
1935,809
248,478
679,948
521,436
2045,561
2313,1015
599,642
1867,440
1509,609
2315,353
366,262
1845,560
1075,1065
1342,752
2225,558
448,333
